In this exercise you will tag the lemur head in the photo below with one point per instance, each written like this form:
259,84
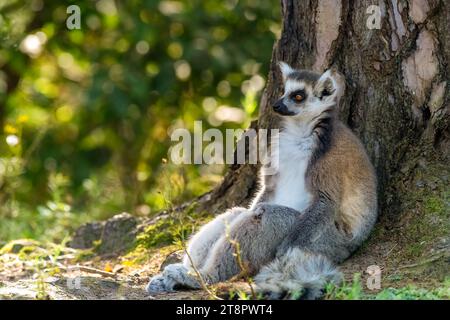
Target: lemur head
307,93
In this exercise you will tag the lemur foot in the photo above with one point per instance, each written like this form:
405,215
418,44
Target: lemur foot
159,284
173,277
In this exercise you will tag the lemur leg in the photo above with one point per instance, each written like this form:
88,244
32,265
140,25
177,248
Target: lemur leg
201,243
199,247
306,261
221,264
259,232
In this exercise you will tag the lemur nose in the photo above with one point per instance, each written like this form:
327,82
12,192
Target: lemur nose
278,105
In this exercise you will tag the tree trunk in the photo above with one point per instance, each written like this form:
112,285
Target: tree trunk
396,100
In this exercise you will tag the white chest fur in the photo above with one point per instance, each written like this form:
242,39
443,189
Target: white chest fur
294,152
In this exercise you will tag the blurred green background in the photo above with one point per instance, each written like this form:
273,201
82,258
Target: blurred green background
85,115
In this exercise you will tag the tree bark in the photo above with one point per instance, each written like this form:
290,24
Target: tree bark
397,87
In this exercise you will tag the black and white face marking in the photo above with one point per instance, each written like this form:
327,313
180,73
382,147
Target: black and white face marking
298,93
306,93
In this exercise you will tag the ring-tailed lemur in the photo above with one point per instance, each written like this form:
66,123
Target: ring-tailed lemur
308,217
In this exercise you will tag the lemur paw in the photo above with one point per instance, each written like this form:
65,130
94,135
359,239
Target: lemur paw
260,209
173,277
160,283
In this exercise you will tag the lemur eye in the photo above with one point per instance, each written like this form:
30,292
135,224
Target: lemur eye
298,97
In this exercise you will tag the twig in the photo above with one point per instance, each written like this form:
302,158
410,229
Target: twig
244,270
201,280
89,270
203,283
424,262
389,252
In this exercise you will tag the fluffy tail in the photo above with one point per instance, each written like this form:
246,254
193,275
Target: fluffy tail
297,273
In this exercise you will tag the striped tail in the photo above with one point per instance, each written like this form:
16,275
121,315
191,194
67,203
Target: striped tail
297,274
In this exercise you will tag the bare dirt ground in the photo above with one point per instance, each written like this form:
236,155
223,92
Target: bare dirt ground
32,271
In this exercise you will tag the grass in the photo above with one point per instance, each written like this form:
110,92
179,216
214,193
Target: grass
424,221
39,261
167,231
413,293
63,210
42,261
355,291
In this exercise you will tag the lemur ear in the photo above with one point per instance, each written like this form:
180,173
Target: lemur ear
286,69
330,86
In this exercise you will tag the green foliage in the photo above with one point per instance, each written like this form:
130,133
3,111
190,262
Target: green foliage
172,231
354,291
413,293
85,115
346,291
428,210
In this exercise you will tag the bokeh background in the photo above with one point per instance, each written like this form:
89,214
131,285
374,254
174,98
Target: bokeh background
86,115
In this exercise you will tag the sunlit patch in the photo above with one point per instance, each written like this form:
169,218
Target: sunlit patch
12,140
182,70
152,69
218,52
65,60
9,129
251,67
255,84
142,47
224,88
32,45
175,50
229,114
106,7
209,104
169,8
64,114
46,87
93,22
23,118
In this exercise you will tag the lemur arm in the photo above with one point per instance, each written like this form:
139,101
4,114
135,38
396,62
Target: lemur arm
316,231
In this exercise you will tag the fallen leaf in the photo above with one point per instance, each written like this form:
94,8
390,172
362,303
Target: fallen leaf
108,267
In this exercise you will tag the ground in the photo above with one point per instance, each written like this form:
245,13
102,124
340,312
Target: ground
115,259
32,270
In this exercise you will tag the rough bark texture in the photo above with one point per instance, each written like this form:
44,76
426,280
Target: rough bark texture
397,102
396,98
